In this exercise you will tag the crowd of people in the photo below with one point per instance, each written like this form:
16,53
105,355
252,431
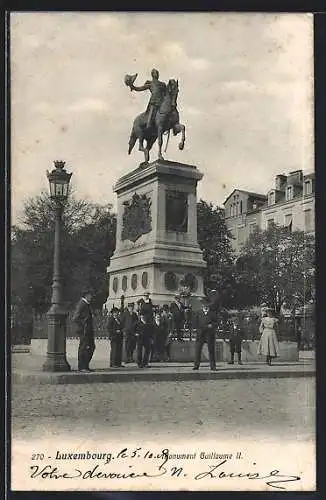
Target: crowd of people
143,332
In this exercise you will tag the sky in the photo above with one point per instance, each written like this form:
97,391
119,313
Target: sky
245,97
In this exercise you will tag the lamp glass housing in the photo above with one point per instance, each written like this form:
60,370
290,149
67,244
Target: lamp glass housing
59,182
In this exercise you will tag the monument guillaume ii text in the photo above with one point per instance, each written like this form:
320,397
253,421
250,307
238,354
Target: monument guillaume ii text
156,240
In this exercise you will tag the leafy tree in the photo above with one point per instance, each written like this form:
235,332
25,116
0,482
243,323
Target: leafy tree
214,240
88,241
276,266
39,214
94,243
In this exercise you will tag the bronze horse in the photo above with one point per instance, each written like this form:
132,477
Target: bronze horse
166,119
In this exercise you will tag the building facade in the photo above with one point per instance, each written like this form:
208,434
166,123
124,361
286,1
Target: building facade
291,203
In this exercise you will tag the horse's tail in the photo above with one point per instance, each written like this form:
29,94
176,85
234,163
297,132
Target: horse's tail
167,142
132,140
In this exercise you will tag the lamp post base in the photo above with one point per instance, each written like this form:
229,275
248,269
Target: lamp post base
56,360
56,363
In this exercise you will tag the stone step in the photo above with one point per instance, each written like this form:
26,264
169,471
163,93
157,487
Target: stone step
168,373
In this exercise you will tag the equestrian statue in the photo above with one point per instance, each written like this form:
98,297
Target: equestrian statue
160,117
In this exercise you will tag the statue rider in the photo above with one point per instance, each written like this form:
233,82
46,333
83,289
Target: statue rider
157,90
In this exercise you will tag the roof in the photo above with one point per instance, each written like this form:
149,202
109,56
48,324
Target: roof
249,193
256,195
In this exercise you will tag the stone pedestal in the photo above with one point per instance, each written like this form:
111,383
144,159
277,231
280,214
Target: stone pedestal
156,240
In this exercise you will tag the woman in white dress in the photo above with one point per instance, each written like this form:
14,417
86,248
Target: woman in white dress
268,344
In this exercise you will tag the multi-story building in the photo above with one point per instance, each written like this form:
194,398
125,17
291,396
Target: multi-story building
291,202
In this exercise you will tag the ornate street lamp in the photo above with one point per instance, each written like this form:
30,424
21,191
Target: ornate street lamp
57,317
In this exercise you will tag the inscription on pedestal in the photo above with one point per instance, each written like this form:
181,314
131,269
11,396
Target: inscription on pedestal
176,215
136,219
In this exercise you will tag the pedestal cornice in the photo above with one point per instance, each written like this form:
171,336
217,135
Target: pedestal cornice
159,168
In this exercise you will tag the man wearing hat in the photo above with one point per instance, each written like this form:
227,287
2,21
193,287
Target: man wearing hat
206,324
129,323
236,335
83,319
167,326
116,338
158,335
144,332
146,308
139,305
178,315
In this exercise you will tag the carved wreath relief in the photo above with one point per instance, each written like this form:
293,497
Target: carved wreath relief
136,219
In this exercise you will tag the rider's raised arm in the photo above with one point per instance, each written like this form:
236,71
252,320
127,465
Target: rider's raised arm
146,86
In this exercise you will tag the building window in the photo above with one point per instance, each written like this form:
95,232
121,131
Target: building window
252,227
308,187
270,223
241,207
289,193
288,221
271,198
240,235
308,221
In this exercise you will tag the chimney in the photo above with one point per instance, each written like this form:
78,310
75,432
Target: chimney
280,182
295,178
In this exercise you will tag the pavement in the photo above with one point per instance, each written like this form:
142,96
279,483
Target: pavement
27,369
279,409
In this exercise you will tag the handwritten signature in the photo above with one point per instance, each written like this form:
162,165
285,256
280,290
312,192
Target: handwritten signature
273,478
276,476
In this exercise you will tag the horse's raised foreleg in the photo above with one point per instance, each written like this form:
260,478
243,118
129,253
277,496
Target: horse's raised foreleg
179,127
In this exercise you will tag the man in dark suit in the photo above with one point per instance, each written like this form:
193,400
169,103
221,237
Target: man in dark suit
144,338
83,320
116,338
147,308
178,315
129,323
167,323
236,335
206,324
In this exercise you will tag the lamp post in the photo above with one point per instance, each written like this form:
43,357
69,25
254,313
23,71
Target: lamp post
57,317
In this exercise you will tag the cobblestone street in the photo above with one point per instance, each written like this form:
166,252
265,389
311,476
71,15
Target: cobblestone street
229,408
